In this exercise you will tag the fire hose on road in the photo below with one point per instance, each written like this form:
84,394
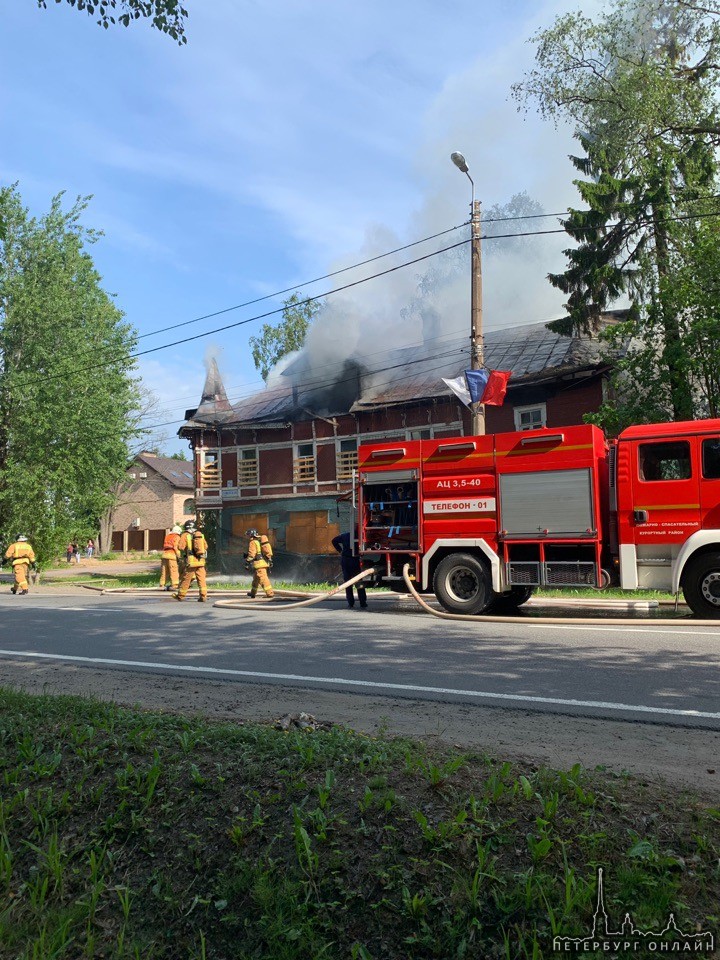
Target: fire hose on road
250,604
265,603
580,621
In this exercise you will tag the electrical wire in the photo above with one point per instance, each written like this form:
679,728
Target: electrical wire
305,283
127,357
277,293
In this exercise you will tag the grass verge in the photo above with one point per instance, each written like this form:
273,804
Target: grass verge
126,834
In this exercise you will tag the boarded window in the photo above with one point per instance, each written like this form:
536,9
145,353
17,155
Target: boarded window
210,470
347,459
247,468
310,533
251,521
304,463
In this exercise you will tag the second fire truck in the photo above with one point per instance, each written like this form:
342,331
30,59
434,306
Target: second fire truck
482,521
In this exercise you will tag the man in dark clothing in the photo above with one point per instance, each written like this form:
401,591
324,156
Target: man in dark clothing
350,568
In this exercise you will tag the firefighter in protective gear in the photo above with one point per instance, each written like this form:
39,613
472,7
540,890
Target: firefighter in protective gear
259,559
22,557
192,547
169,570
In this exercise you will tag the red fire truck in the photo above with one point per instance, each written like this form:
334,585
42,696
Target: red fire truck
482,521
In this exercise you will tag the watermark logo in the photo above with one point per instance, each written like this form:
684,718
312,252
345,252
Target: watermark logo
630,939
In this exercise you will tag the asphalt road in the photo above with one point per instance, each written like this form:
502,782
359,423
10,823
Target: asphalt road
648,673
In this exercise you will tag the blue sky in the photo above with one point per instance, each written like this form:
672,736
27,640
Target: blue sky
284,140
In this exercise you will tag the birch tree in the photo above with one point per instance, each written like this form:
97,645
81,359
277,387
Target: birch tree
67,389
639,85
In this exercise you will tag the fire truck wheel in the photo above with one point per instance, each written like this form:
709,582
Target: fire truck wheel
462,584
701,585
510,601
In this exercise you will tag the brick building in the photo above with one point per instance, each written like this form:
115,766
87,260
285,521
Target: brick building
282,460
159,492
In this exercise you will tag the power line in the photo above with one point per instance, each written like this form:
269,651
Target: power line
239,323
126,357
305,283
277,293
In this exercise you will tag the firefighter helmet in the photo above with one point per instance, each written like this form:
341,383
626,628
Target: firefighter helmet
190,526
21,538
252,532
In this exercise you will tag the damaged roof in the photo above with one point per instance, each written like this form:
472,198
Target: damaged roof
532,352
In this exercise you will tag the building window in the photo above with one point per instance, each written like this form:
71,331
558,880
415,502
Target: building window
347,459
189,508
304,463
132,476
210,469
248,467
421,434
531,418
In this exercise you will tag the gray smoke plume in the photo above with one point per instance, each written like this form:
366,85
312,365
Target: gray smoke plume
520,168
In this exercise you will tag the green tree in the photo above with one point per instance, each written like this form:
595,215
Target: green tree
289,334
167,16
65,422
639,86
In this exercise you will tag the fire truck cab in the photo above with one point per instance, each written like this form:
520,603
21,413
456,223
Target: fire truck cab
482,521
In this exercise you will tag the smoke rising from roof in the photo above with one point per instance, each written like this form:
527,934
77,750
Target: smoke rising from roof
429,302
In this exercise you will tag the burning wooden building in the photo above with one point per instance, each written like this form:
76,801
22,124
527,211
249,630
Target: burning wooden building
282,460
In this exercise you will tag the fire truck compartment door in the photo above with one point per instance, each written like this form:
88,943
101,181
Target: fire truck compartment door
559,502
388,476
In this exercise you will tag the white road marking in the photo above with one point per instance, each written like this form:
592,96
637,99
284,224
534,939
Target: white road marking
370,684
81,609
609,627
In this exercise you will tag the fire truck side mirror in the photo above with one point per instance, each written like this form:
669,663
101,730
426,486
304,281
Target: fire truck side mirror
640,516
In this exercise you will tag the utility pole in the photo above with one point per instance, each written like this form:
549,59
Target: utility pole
477,356
477,359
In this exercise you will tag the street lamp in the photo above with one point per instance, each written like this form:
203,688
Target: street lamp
477,410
